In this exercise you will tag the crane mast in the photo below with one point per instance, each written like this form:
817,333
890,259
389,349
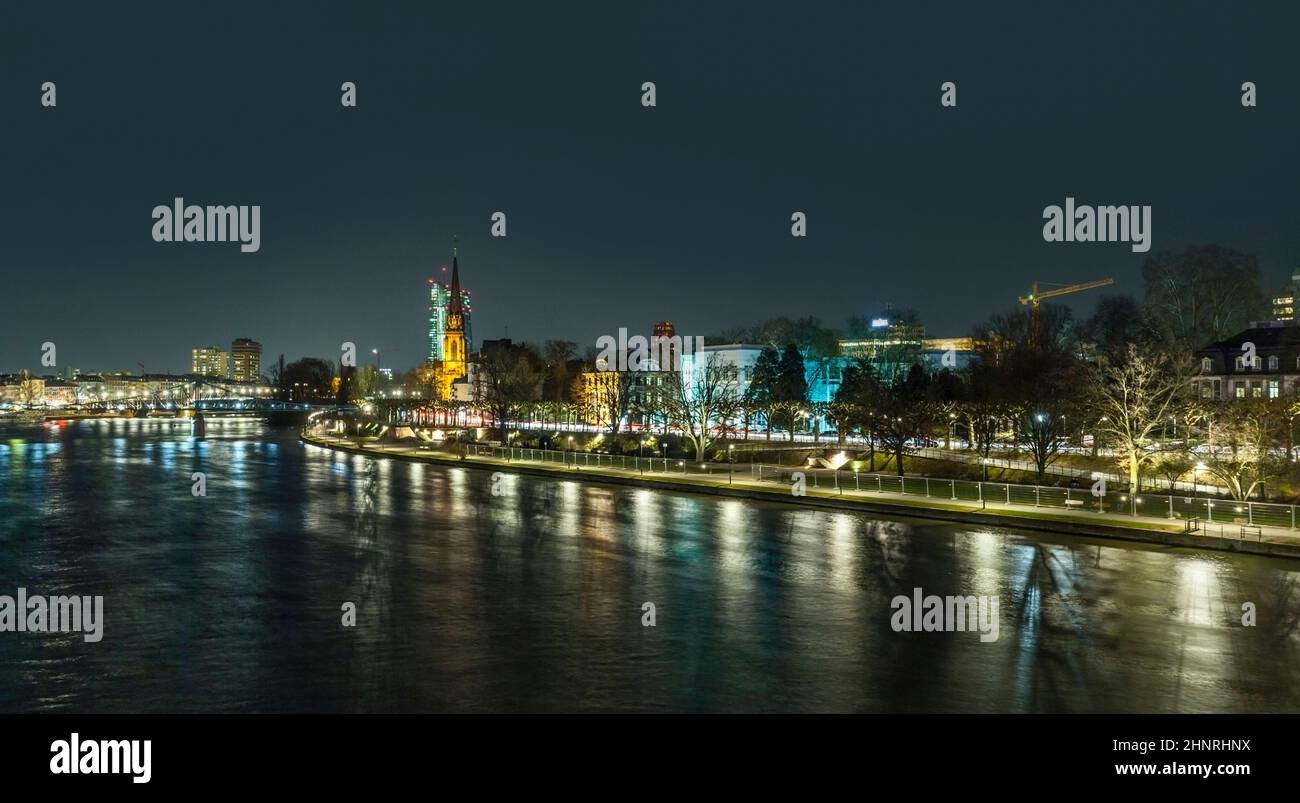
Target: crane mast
1036,296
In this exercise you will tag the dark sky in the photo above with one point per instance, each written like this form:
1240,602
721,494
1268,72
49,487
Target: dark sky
618,215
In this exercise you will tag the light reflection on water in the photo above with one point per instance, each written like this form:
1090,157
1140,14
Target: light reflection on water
531,599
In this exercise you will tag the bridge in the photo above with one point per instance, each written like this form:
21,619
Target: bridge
187,397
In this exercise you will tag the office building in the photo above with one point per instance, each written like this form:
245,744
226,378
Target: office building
246,360
210,361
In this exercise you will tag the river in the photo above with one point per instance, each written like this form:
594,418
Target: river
476,591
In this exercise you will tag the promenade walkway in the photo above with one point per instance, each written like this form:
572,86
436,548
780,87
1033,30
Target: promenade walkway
1193,519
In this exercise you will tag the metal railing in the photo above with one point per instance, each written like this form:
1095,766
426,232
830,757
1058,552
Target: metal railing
1012,464
1206,511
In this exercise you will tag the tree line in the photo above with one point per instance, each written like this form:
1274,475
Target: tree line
1040,381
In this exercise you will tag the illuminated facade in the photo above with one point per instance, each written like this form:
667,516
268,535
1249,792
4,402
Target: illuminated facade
439,302
22,390
154,389
246,360
1284,307
210,361
893,344
598,395
451,367
887,336
1225,371
1284,303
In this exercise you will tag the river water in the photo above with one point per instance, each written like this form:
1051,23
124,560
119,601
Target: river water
483,592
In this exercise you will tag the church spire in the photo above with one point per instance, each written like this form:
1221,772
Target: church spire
454,306
454,346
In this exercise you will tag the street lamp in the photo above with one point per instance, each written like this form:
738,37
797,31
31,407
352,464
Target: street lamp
1096,436
731,468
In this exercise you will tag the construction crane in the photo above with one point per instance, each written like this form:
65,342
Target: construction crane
1036,296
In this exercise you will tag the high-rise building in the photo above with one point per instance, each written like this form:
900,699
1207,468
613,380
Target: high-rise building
210,361
1285,302
439,301
245,359
893,343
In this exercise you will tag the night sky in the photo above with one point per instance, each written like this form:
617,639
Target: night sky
618,215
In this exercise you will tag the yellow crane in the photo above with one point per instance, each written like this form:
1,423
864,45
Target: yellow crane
1036,296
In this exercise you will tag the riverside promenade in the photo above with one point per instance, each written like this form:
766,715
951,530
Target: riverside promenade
1192,522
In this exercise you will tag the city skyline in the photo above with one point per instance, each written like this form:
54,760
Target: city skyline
920,361
1080,307
618,214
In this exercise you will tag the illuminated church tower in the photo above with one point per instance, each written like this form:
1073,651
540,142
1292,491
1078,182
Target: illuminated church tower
452,366
439,300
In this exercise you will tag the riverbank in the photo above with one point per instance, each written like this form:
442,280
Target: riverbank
1272,541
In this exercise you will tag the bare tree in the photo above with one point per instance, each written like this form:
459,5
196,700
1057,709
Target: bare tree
1135,397
509,378
904,411
1201,294
30,389
1034,359
701,401
986,408
1241,432
611,398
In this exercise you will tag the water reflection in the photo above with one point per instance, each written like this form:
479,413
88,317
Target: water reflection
478,591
